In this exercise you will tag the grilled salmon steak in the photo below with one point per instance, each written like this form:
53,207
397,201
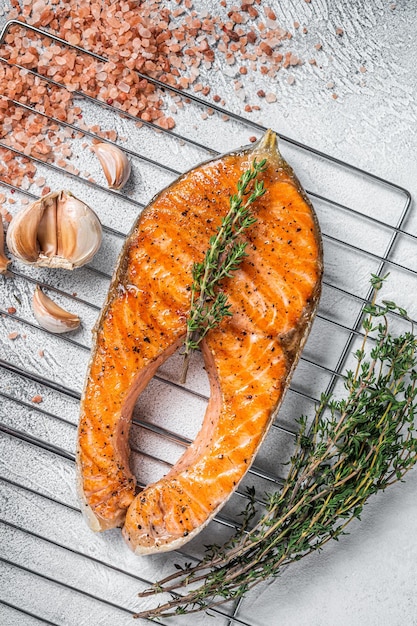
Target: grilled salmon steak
249,357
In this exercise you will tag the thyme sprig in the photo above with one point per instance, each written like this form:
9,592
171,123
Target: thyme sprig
224,255
354,448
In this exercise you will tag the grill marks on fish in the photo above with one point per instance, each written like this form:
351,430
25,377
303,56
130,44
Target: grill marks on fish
249,358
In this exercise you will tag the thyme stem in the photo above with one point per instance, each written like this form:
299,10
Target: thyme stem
356,447
225,253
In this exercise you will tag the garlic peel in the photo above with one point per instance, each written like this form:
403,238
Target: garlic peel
58,230
116,166
51,316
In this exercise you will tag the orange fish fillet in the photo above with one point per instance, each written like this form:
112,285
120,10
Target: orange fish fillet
249,357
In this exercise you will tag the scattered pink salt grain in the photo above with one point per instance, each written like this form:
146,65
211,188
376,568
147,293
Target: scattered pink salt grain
14,335
270,97
37,399
124,87
172,45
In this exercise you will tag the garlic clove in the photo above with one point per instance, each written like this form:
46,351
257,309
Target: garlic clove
47,228
51,316
58,230
22,232
116,166
4,261
79,231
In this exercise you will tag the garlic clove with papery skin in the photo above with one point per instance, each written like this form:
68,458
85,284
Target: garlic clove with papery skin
4,261
51,316
116,166
22,233
58,230
79,231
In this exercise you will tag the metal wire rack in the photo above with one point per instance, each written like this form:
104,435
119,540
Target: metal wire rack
47,549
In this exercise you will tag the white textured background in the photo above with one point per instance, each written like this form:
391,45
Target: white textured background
369,577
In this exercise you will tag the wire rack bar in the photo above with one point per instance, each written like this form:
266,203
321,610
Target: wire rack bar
28,613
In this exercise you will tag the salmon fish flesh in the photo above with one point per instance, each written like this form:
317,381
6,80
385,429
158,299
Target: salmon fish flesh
249,357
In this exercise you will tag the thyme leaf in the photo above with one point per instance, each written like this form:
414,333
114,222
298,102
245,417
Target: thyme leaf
355,447
223,257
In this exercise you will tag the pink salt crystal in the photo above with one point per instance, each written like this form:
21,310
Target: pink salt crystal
144,32
74,39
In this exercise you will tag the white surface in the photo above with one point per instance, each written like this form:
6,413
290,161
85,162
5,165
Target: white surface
368,578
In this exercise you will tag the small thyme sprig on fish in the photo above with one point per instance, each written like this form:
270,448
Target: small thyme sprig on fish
354,448
224,255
